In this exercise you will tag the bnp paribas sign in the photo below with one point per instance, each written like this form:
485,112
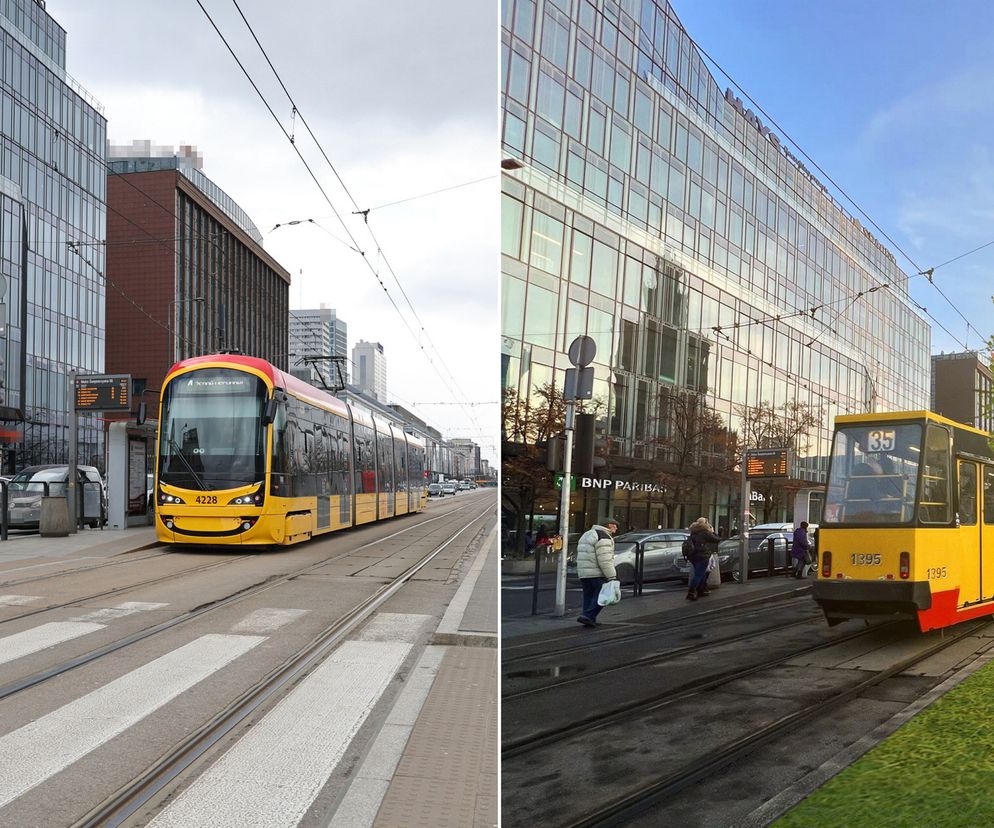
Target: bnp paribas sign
620,485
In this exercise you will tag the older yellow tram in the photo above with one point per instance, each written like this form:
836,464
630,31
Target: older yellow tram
908,522
249,455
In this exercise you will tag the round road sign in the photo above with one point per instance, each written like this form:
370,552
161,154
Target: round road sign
581,351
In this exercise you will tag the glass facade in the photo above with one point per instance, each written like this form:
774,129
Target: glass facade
656,214
52,193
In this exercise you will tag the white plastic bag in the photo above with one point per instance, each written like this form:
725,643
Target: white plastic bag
610,593
714,573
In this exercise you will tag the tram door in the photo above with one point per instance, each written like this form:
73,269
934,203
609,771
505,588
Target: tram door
987,528
974,572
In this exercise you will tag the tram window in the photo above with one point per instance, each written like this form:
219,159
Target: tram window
967,494
988,496
934,506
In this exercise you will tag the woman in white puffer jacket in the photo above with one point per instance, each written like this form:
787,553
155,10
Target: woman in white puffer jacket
595,566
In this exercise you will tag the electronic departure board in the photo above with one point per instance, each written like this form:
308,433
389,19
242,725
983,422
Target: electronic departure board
106,392
767,463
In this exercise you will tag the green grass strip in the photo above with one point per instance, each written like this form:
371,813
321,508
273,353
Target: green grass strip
935,770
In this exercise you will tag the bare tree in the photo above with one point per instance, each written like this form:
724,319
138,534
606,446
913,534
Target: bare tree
765,426
527,423
695,450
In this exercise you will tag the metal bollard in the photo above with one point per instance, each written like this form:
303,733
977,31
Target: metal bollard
639,567
769,549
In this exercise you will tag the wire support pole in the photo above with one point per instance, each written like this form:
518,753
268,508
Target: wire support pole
560,610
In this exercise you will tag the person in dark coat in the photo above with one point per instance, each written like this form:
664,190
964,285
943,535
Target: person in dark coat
704,542
800,550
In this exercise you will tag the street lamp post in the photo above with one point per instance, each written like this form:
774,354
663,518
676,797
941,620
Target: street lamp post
173,332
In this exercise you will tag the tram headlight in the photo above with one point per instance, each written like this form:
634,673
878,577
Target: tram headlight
826,564
171,499
251,499
905,569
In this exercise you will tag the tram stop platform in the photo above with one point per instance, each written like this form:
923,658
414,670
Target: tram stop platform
434,761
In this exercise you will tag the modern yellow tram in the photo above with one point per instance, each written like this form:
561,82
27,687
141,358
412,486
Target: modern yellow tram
908,522
250,455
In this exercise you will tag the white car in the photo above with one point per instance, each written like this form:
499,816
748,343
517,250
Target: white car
448,488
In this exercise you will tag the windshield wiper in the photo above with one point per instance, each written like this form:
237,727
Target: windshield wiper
189,468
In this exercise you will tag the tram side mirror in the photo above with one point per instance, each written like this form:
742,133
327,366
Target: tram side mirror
269,415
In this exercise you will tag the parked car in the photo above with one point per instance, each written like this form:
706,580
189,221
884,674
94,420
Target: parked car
27,487
448,488
781,535
661,553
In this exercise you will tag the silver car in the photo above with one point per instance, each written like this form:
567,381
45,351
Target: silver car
661,551
27,487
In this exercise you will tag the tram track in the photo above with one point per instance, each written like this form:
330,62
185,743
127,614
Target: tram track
655,658
42,676
127,800
594,642
622,810
117,560
644,706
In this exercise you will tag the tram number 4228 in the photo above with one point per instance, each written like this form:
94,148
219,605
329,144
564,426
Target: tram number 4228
207,499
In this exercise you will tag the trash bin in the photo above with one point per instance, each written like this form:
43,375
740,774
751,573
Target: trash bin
54,519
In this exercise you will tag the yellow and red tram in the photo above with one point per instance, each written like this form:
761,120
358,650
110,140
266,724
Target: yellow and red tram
908,522
250,455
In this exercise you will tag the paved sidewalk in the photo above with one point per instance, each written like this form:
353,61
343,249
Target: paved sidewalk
434,762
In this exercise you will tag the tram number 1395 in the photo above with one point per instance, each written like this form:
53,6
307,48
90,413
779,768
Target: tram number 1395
865,560
936,572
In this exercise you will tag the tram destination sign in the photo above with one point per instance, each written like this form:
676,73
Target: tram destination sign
773,462
103,392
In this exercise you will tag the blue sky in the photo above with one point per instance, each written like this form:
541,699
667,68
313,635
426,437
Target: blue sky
895,101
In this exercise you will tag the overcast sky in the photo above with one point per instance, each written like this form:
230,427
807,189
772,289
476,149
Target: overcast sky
401,96
893,99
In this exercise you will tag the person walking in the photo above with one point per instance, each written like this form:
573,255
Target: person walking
595,566
704,541
800,550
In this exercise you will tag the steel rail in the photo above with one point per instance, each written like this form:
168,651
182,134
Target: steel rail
623,809
125,802
597,720
653,658
690,619
42,676
594,642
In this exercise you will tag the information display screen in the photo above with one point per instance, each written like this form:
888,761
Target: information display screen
767,463
107,392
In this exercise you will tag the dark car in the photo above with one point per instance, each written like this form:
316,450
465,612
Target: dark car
780,535
661,552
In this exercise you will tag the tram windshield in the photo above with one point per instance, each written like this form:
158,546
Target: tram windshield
873,475
212,435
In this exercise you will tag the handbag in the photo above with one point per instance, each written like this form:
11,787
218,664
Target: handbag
610,594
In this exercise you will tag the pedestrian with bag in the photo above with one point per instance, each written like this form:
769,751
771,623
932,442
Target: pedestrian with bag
595,567
703,542
800,550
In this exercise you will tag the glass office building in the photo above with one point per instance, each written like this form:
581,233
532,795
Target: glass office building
52,193
650,209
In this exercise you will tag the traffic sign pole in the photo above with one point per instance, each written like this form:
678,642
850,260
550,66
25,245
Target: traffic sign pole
564,514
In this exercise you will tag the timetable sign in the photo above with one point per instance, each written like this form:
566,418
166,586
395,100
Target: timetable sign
103,392
767,463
